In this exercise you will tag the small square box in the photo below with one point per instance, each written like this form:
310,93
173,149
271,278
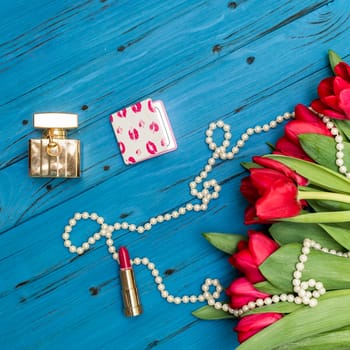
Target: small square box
143,131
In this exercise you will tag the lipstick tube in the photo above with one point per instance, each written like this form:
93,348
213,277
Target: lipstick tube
132,305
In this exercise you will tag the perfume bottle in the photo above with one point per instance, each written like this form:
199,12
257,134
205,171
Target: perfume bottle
54,155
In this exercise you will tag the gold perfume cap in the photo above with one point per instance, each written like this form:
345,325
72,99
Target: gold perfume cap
52,120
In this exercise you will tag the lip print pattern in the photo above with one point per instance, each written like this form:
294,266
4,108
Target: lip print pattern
122,113
151,147
136,108
122,147
131,160
133,134
142,131
154,127
150,106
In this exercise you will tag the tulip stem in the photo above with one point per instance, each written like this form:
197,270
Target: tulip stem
331,196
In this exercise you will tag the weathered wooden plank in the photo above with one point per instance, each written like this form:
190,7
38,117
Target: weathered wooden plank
243,61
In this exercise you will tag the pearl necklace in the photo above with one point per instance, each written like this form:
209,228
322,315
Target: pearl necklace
210,190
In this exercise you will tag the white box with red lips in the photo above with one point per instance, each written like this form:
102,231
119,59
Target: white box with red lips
143,131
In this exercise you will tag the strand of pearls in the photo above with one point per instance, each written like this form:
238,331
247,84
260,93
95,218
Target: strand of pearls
210,190
306,292
339,145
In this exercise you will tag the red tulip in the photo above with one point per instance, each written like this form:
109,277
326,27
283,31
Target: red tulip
271,194
305,122
334,94
241,292
252,253
249,325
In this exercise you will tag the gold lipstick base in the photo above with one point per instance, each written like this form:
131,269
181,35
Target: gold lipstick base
132,304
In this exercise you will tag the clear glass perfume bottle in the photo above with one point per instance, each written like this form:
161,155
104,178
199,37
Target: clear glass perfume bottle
54,155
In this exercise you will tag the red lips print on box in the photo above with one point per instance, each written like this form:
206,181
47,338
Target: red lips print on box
143,131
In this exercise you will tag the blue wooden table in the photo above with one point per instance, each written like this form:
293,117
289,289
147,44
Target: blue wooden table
242,61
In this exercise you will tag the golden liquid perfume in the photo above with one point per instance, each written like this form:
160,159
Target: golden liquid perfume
54,155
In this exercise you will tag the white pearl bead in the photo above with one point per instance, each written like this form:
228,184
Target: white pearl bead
96,236
313,302
177,300
140,229
339,162
185,299
132,227
170,298
250,131
161,287
338,138
193,298
145,261
93,216
85,215
77,216
65,235
155,273
283,297
111,250
342,169
257,129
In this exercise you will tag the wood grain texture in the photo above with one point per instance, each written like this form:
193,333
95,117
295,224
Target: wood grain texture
244,62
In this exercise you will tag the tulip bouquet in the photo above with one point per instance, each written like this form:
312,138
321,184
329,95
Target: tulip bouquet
293,291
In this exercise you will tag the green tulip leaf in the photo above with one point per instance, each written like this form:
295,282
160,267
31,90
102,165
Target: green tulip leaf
267,287
322,149
250,165
333,271
343,126
339,232
287,232
336,339
210,313
316,174
320,218
224,241
334,59
306,323
324,205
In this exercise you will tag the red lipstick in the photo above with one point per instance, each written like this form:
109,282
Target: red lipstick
132,305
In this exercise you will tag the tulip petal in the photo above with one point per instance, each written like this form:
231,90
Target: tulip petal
244,262
248,190
252,324
342,69
340,84
260,246
281,168
279,201
303,113
263,178
286,147
320,107
242,292
332,101
344,101
325,87
297,127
